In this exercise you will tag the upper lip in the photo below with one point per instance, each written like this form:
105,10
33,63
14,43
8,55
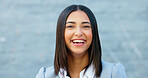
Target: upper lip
78,39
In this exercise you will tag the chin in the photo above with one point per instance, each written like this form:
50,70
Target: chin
78,52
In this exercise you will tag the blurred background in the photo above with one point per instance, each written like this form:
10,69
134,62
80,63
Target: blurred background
28,30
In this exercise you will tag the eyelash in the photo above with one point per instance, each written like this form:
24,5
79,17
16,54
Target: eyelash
86,26
69,26
82,27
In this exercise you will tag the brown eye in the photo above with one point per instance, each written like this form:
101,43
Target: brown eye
70,26
86,27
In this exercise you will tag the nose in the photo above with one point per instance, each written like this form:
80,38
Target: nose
78,32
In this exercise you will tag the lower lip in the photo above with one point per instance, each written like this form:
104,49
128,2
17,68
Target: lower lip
81,44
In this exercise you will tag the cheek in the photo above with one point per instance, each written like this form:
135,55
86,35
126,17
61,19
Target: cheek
89,35
68,36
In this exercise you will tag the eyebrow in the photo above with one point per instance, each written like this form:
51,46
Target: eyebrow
71,22
85,22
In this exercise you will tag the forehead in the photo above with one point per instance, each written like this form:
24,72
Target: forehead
78,16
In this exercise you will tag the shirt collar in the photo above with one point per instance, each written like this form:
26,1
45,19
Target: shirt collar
90,73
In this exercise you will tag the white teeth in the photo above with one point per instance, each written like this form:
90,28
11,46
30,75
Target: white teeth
78,40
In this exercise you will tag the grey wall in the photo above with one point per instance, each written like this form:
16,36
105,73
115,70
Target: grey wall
28,27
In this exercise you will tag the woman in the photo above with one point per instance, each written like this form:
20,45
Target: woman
78,49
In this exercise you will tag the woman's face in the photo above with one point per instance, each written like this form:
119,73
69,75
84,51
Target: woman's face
78,32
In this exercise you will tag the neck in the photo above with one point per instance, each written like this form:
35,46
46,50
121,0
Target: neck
76,63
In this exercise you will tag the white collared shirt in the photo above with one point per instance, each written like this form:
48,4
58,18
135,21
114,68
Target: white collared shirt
109,70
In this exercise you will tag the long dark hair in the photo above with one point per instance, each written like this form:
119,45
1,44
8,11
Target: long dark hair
61,53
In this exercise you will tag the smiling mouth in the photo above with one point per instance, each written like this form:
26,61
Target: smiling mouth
78,42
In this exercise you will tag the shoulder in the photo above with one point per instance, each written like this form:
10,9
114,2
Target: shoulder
112,70
46,72
118,71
